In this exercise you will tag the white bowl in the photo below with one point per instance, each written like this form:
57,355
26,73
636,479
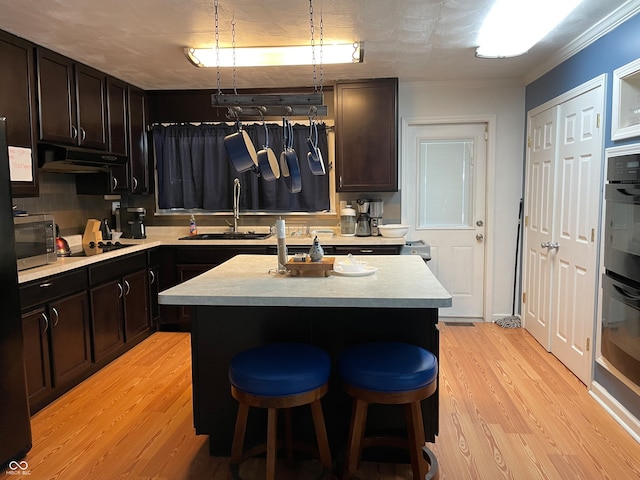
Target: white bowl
393,230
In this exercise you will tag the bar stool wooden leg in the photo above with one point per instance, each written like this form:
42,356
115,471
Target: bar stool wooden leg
288,437
356,436
272,441
415,430
238,433
321,435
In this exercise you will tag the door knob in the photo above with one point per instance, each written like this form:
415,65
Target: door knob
550,245
479,237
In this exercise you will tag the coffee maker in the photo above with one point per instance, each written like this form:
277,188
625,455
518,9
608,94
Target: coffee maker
130,222
376,208
363,226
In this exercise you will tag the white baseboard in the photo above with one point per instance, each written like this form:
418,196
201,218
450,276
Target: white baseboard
620,414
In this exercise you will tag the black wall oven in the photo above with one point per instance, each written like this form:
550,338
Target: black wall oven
620,335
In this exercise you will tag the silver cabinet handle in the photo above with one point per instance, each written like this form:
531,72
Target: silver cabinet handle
45,285
55,312
83,134
46,322
120,290
366,250
115,183
135,183
152,277
74,132
126,284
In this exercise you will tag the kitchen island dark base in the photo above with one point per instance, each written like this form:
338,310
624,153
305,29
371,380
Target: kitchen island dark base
218,333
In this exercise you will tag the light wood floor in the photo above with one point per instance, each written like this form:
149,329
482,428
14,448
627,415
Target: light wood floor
508,410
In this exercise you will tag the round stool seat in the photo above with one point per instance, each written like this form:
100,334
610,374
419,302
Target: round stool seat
388,366
280,369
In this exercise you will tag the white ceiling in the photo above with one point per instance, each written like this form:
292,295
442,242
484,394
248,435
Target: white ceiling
142,41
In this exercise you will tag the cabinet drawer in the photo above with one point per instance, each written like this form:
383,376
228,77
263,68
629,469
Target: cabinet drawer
365,250
116,268
48,289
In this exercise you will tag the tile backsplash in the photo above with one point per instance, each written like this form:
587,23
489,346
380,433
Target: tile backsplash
58,197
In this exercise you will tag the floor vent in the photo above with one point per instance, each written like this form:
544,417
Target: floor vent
459,324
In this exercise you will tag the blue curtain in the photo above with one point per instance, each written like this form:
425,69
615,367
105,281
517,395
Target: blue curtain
194,171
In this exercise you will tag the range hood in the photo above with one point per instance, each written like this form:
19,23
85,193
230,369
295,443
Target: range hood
67,159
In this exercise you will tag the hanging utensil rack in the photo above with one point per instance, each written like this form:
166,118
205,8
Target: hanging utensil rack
286,105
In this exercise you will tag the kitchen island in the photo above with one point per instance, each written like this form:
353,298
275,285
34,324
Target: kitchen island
242,303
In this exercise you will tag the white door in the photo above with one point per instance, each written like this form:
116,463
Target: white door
563,198
443,202
579,179
538,225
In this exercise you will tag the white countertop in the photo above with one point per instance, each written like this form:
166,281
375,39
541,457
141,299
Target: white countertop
401,281
157,236
172,235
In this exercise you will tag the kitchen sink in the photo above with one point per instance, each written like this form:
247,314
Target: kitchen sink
228,236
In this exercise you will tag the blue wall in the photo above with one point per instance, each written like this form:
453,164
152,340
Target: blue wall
608,53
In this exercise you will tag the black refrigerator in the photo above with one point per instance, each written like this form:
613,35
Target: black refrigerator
15,427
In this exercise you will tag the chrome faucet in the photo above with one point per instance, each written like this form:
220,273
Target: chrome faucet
236,204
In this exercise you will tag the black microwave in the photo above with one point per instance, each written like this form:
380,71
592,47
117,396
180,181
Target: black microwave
35,240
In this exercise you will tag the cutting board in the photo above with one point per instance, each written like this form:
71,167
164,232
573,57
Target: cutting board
322,268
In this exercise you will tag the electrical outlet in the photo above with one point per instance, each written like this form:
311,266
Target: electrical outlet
114,206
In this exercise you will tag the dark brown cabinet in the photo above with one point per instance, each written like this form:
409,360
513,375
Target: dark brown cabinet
72,100
70,339
107,318
18,105
138,147
35,333
136,304
154,289
366,118
119,304
55,322
133,177
118,126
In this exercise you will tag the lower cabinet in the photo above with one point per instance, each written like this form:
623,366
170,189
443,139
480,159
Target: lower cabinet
119,304
57,340
76,322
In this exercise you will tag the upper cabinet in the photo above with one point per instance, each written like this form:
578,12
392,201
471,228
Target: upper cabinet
366,119
138,142
625,104
118,135
18,105
127,127
72,100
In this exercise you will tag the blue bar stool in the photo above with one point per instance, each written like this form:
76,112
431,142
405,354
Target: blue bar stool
390,373
279,376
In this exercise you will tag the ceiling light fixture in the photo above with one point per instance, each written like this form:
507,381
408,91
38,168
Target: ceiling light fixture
512,27
272,56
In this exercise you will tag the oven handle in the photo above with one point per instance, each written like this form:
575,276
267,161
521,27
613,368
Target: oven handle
623,192
625,293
